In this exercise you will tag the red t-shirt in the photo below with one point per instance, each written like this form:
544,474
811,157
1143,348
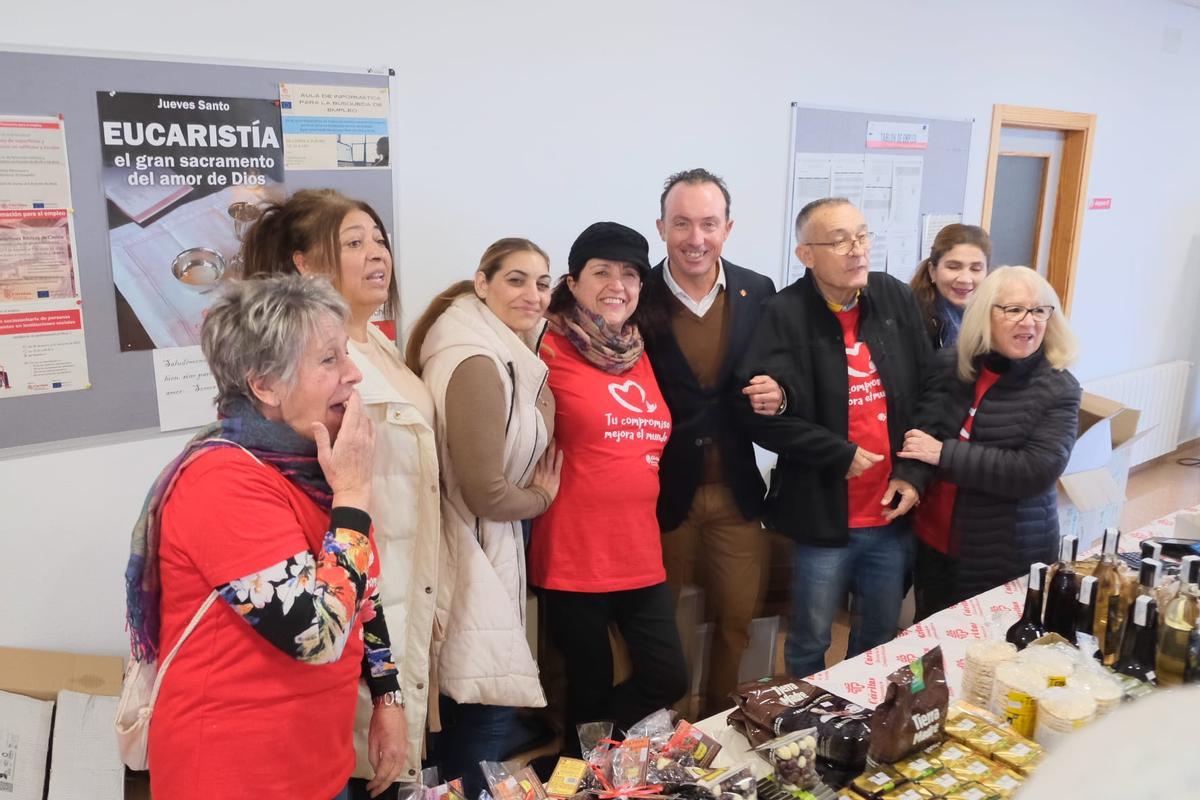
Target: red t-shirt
236,717
933,517
867,425
601,532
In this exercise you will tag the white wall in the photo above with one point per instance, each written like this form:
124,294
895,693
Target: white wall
538,118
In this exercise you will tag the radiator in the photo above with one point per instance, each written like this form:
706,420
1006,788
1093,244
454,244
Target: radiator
1157,392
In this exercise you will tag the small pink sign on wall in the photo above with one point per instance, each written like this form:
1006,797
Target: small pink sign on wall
1100,204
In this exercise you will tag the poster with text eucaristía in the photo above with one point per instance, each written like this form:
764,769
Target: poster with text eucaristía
185,176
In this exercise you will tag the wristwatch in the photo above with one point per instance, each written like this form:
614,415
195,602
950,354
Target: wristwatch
392,698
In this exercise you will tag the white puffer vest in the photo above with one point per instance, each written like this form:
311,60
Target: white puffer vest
480,647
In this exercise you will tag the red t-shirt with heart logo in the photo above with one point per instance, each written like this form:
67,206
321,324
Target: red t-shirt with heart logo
601,533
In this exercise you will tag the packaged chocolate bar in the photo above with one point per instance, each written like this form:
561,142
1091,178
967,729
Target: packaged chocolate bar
755,734
1003,781
972,768
909,791
523,784
917,767
960,726
940,784
875,782
972,791
913,711
567,776
689,742
1022,755
988,740
950,753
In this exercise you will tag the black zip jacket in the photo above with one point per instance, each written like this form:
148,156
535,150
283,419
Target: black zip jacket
799,343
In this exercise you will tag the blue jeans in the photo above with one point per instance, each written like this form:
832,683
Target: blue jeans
873,565
344,794
471,732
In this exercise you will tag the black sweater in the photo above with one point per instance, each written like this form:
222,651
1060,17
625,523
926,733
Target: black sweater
799,343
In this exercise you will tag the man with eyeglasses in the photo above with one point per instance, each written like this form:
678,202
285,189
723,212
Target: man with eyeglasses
849,348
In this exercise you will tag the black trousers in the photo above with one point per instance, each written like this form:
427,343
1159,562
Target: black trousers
578,625
933,581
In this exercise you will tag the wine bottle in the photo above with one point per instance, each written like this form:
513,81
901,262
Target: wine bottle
1085,622
1108,596
1137,660
1029,626
1191,670
1148,578
1178,620
1063,591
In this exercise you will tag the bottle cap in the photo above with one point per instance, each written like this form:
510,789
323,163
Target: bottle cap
1037,575
1087,590
1189,569
1151,569
1112,537
1068,548
1141,610
1151,550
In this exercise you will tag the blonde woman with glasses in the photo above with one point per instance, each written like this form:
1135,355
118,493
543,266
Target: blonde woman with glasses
999,429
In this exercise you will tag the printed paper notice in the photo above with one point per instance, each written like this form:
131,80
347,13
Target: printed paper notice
899,135
902,254
334,127
41,318
931,226
185,388
33,163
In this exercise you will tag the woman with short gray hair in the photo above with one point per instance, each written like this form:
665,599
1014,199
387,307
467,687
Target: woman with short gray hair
265,511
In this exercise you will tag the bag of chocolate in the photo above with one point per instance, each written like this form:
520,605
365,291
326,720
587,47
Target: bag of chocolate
913,711
773,703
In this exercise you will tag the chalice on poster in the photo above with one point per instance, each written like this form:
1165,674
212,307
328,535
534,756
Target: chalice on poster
243,214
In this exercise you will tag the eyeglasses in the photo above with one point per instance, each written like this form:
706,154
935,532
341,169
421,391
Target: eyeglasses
843,247
1018,313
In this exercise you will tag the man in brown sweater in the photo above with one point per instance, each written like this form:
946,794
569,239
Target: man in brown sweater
711,489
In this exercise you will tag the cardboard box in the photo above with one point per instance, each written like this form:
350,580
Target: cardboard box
84,737
24,745
1091,491
43,673
86,764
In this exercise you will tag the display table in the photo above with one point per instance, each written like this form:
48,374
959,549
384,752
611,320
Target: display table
863,679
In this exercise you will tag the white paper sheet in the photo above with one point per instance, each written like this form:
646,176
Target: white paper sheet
931,226
335,127
185,388
902,254
876,207
907,172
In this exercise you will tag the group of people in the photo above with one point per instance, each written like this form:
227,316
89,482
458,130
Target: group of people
343,558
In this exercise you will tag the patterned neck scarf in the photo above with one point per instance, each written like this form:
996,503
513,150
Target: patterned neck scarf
951,317
274,443
595,341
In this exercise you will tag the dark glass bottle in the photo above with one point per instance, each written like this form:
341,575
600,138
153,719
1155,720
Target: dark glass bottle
1147,581
1085,621
1137,660
1151,550
1029,627
1178,618
1063,591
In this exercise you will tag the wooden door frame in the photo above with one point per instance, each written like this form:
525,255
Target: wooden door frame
1079,134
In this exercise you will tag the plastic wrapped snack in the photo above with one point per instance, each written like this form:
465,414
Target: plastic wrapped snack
874,783
567,778
1015,694
689,745
1061,711
774,703
793,756
629,764
1022,755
